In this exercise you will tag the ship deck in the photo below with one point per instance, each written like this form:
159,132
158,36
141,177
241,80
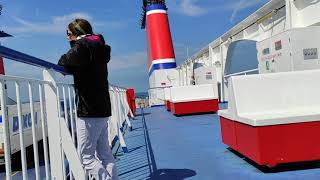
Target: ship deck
165,147
162,146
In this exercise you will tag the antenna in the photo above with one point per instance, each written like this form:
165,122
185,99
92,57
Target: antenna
144,10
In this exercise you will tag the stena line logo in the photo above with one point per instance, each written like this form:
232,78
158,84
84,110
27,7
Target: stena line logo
26,120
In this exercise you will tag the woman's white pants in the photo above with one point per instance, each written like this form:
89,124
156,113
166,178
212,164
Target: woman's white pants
94,148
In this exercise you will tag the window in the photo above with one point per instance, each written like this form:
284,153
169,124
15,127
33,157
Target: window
266,51
278,45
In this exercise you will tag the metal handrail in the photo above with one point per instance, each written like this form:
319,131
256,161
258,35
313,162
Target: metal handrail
27,59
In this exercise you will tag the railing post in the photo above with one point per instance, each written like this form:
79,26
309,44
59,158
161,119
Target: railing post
53,123
21,133
116,115
44,131
6,130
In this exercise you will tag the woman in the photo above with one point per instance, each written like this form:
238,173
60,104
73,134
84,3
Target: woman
87,62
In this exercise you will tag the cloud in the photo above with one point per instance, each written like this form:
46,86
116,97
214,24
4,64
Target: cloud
129,61
188,7
57,24
241,5
196,8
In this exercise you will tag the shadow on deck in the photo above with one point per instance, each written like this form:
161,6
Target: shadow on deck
165,147
139,162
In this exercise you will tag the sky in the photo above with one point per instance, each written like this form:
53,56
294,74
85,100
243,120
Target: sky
39,29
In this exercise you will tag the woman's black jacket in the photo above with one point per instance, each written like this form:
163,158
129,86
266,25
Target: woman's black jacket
87,62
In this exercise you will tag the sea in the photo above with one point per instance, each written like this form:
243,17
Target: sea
142,95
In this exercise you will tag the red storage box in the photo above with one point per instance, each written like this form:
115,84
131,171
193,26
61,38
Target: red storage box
194,99
274,144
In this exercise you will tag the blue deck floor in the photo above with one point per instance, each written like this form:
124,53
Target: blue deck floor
190,147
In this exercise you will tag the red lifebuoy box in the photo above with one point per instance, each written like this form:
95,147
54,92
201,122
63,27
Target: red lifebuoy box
1,66
131,98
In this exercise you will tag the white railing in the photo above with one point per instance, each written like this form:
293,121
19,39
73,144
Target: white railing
242,73
57,121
